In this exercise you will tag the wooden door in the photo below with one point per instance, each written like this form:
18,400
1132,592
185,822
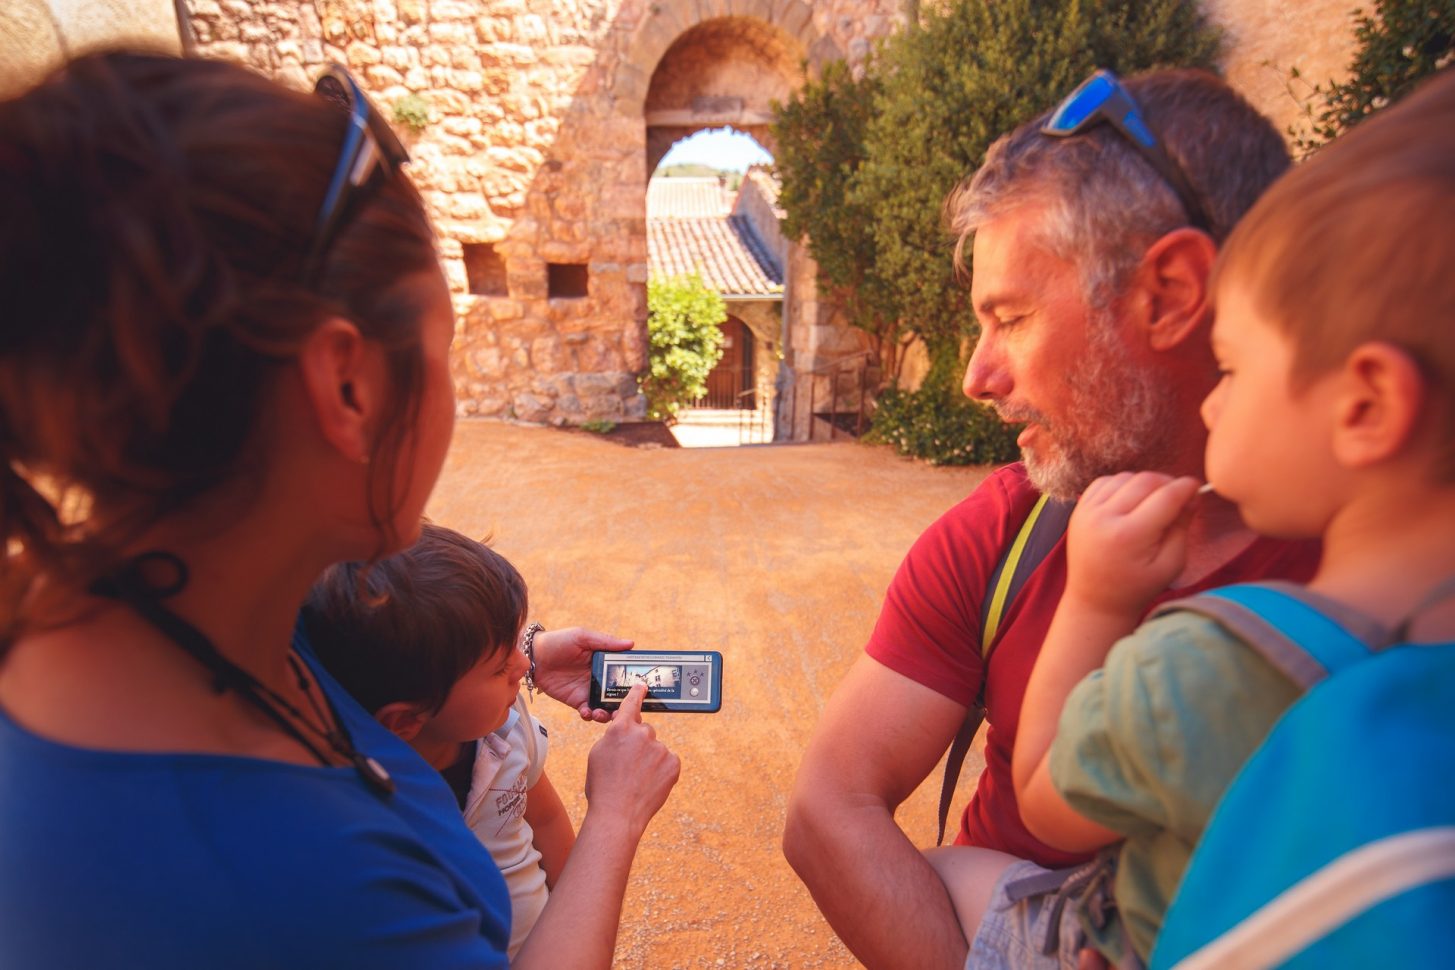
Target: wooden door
734,373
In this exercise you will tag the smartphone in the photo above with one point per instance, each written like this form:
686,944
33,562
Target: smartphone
677,680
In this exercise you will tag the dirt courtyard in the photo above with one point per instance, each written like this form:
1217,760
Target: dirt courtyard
776,556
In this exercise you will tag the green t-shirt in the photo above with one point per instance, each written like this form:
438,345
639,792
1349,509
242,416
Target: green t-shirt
1147,745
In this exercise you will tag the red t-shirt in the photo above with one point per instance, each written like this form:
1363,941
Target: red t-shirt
929,631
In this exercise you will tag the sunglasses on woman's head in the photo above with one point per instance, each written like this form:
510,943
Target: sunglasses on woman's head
369,145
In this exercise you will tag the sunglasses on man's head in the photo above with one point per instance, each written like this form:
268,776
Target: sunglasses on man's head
369,144
1102,98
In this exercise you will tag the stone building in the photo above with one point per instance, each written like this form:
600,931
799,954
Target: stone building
734,243
541,122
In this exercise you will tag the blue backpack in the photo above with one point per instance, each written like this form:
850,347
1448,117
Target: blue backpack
1335,844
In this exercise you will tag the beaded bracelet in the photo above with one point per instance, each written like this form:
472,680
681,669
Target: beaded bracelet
528,644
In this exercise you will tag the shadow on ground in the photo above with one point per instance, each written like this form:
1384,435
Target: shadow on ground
778,557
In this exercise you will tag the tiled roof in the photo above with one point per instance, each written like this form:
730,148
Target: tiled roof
690,229
686,198
724,251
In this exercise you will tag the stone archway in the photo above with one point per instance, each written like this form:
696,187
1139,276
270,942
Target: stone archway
669,20
699,64
725,71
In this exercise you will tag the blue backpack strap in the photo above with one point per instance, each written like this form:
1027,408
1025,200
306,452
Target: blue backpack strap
1305,861
1297,865
1281,622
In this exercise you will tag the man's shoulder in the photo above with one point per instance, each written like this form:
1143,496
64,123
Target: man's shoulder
1005,496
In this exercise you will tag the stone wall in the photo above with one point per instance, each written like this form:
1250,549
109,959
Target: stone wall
1265,39
536,151
543,117
757,199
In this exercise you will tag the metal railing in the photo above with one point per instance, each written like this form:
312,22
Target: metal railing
754,421
855,367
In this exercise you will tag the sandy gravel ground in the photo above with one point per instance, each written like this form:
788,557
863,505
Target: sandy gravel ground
777,556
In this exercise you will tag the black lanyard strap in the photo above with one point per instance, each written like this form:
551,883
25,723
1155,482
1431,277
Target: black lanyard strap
147,579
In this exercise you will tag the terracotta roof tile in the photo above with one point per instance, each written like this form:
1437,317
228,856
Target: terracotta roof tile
724,251
686,198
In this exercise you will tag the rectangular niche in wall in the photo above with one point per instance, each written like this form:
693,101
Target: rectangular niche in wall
485,270
566,280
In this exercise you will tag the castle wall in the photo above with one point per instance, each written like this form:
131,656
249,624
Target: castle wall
535,146
541,119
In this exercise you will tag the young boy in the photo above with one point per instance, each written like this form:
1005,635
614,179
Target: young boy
1335,417
427,640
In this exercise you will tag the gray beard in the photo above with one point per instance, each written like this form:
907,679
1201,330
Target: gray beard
1119,419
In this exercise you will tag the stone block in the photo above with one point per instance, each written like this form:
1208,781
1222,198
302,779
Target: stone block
548,355
503,309
519,353
362,54
556,251
604,407
531,29
541,385
532,409
469,82
530,287
451,10
626,386
488,362
574,56
471,206
797,21
630,90
595,385
382,77
822,51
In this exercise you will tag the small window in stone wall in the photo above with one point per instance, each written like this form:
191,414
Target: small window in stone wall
566,280
485,270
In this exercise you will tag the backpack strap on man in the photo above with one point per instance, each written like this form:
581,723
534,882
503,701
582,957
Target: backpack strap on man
1038,535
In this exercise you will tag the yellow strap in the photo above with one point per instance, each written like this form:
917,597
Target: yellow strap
1007,573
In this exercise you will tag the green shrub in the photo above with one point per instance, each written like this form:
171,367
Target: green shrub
411,112
598,426
684,321
939,424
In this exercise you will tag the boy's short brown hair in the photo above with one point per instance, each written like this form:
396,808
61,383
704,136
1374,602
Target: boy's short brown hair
1358,244
410,626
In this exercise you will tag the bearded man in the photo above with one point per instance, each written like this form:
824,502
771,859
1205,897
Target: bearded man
1094,229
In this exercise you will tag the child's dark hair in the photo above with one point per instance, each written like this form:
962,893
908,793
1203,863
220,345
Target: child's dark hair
407,627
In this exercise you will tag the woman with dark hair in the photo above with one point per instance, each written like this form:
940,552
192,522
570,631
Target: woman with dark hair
224,340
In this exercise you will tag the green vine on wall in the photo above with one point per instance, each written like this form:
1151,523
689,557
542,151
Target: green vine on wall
412,113
1397,44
